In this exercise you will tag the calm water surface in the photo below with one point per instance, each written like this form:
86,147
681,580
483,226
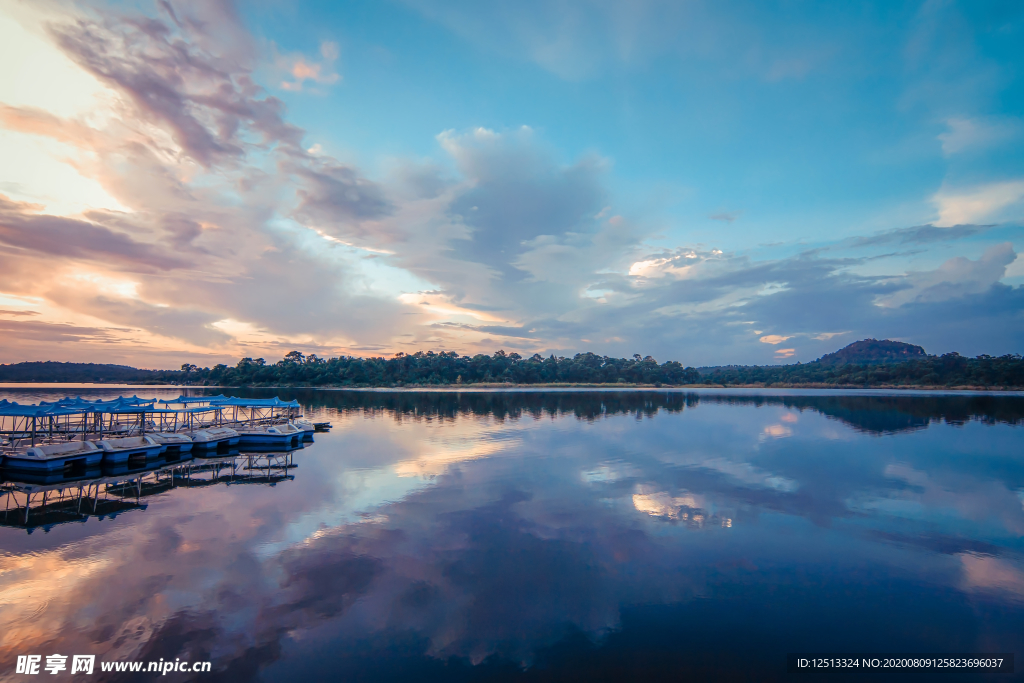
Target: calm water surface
549,536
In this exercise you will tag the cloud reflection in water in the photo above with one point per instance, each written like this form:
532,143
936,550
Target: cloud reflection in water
506,528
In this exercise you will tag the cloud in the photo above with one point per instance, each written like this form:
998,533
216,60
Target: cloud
681,263
208,102
697,313
300,69
16,331
498,330
516,192
774,339
956,277
726,216
212,179
23,228
39,122
991,574
174,322
229,238
919,234
995,201
336,198
970,135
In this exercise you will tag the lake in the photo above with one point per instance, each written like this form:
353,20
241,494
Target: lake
544,535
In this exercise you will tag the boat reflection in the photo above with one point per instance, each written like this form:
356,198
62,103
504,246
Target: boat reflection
42,500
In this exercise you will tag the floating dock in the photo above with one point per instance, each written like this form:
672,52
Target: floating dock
130,430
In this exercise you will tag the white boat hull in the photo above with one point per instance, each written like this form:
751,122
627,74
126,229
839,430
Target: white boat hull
119,451
56,457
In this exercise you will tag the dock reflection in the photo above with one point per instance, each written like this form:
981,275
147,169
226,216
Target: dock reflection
34,501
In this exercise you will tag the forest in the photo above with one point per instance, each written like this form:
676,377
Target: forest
444,368
450,368
947,370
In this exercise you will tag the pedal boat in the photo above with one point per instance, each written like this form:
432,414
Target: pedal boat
306,427
173,442
118,451
282,435
56,457
212,438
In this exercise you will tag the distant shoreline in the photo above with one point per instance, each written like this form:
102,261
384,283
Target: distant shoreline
869,363
652,387
497,386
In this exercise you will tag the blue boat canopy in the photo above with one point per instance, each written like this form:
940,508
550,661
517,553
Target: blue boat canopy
195,399
10,409
135,405
275,402
149,410
77,406
86,405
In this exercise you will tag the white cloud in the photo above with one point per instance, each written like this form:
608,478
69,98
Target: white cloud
956,277
778,431
1015,269
966,135
993,202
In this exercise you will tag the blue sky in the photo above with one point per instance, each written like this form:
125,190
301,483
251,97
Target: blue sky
791,117
710,182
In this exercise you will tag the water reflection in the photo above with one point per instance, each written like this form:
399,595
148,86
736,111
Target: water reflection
547,535
43,500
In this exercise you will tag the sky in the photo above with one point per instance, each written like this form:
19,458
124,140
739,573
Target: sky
708,182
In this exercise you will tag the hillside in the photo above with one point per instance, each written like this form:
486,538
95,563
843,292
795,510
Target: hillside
873,351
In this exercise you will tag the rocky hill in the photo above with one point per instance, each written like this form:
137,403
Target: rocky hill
872,351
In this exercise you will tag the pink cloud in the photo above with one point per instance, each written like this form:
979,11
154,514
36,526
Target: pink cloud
301,69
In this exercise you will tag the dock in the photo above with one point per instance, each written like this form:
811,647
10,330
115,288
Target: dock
133,430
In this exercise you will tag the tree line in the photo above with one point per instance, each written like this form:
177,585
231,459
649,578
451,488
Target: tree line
449,368
444,368
947,370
